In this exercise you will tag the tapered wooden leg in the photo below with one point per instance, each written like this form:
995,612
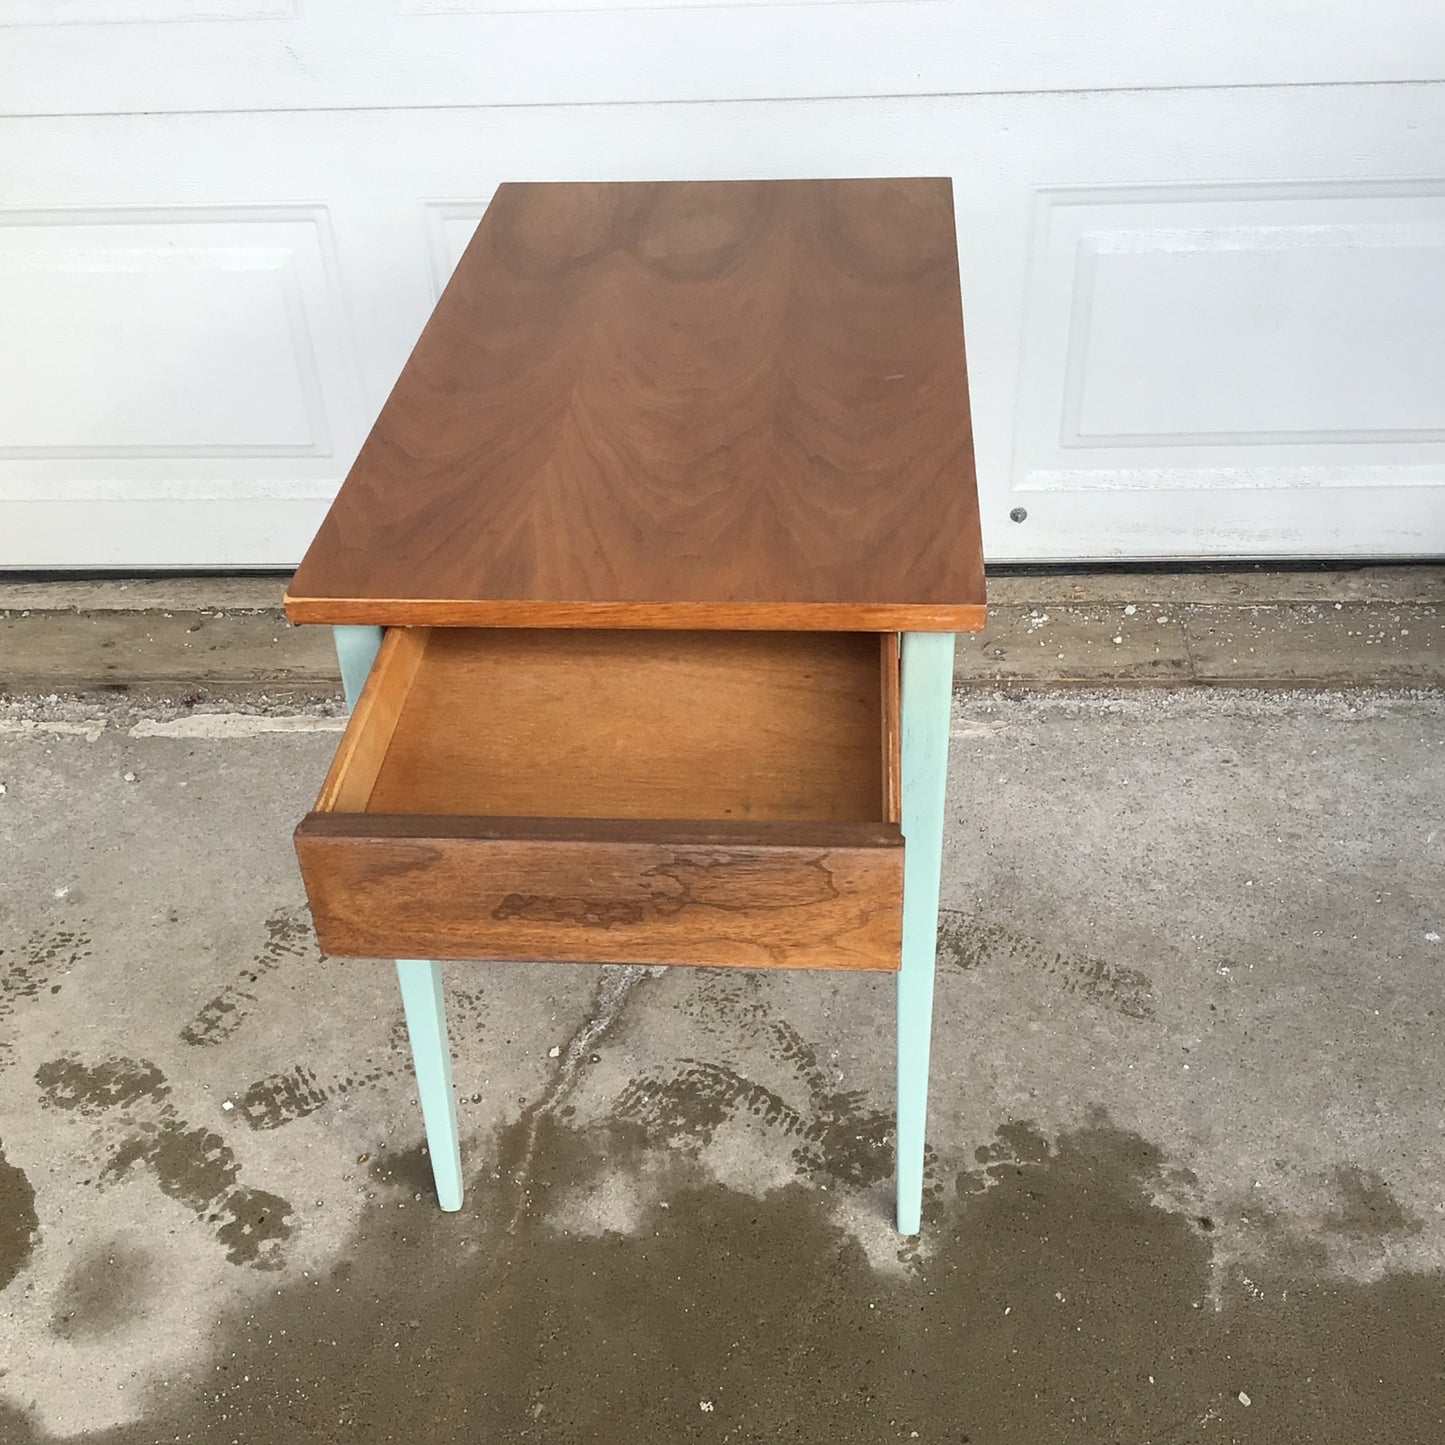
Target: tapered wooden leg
426,1025
927,691
356,649
420,979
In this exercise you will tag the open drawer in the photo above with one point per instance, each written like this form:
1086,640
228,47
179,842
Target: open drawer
616,797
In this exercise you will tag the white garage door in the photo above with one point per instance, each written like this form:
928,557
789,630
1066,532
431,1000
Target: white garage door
1202,246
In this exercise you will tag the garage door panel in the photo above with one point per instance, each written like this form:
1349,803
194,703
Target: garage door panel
155,527
189,351
1201,337
1325,310
1305,249
449,227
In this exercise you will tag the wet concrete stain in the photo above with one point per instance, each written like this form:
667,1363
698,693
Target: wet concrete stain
95,1089
724,999
288,937
104,1291
406,1169
290,1094
835,1134
1016,1143
19,1225
1057,1303
1368,1209
30,972
1019,1146
191,1165
967,941
283,1097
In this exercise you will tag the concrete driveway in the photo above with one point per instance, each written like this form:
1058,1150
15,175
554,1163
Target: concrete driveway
1187,1175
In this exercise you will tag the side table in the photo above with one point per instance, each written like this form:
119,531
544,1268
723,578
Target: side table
644,588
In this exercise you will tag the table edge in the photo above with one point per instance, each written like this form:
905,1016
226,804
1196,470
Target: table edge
668,616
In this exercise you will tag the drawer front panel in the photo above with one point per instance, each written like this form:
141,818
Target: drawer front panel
821,896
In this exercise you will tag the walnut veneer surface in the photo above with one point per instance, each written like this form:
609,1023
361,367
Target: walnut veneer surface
737,404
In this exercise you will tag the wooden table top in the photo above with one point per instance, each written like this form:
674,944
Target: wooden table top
736,404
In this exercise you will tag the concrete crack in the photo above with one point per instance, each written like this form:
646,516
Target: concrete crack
614,988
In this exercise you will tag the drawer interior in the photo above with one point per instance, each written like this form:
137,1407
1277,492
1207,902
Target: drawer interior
716,726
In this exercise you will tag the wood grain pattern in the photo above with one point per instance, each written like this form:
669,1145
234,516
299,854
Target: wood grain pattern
354,770
751,896
736,405
892,717
650,797
712,725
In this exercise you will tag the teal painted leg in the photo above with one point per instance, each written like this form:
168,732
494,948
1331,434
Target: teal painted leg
426,1024
927,692
420,979
356,649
